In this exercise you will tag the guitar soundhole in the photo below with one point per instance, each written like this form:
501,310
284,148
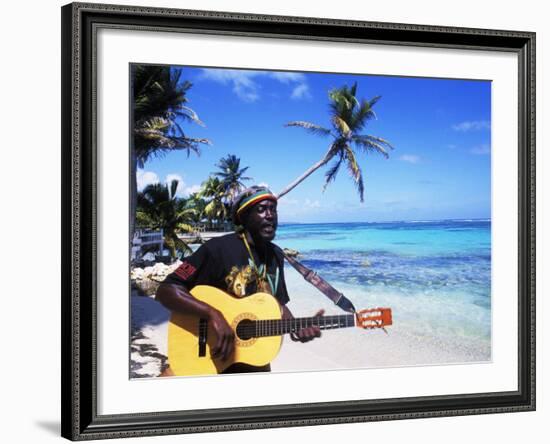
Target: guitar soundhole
245,329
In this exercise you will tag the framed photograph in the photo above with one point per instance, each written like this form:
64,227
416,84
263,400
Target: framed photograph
276,221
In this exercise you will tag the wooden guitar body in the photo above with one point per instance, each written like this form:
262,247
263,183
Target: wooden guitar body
190,339
258,326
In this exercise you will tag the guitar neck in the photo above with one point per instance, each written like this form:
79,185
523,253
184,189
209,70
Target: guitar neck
278,327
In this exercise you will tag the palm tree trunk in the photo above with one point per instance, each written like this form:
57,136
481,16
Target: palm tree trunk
329,154
173,249
133,193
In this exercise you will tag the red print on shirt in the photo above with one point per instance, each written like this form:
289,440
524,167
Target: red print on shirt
185,270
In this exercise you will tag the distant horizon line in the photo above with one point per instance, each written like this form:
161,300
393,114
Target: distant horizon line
471,219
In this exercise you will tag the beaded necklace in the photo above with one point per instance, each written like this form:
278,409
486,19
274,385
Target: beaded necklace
262,277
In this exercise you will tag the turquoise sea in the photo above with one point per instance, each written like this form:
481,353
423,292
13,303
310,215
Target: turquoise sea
435,275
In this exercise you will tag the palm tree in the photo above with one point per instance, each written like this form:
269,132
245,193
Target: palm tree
199,204
159,107
212,189
159,208
348,118
231,175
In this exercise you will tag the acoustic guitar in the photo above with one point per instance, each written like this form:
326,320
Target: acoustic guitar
258,326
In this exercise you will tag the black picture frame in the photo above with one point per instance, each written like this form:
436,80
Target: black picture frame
80,419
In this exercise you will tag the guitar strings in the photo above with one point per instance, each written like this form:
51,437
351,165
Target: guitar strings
275,327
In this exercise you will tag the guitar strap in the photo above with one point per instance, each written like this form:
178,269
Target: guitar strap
323,286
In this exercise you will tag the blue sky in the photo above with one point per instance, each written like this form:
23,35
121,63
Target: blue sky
440,167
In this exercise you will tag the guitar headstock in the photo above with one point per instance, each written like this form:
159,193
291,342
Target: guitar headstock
374,318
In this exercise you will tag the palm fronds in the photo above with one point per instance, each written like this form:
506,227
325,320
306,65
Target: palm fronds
160,103
231,175
311,127
348,117
158,207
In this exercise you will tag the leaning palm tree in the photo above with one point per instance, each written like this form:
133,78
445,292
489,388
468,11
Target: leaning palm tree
159,109
231,175
348,118
160,208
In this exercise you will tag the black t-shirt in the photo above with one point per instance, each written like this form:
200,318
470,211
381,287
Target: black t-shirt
225,263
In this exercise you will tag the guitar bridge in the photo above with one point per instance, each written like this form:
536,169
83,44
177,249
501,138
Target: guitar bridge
203,337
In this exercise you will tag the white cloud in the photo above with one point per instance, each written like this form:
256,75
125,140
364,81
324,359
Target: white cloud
288,201
180,190
288,77
242,81
298,206
191,190
475,125
145,178
410,158
291,209
481,150
248,90
173,176
301,92
312,203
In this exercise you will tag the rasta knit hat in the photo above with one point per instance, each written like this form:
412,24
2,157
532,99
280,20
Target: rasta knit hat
247,198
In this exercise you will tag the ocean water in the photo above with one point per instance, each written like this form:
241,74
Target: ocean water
435,275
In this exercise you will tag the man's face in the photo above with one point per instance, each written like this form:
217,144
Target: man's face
261,220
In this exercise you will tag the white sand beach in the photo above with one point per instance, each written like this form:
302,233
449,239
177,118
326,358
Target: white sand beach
405,343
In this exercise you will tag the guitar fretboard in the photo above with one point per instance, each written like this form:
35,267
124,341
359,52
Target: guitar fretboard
278,327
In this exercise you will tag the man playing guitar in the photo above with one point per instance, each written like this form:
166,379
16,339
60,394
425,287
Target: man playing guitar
241,264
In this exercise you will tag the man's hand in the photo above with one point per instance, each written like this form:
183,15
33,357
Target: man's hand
225,343
177,298
305,334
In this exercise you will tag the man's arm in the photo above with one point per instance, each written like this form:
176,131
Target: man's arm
305,334
176,297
